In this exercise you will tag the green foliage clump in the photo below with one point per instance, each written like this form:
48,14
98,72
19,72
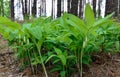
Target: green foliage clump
64,43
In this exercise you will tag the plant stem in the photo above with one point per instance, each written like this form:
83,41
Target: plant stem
43,66
82,51
78,61
29,56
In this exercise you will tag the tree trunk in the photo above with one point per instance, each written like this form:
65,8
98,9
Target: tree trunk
34,8
52,9
12,9
111,6
74,7
23,9
99,10
118,7
43,8
69,4
58,8
2,8
62,6
94,7
80,9
26,10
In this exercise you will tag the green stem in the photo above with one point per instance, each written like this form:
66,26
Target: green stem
78,60
38,48
29,56
43,66
82,53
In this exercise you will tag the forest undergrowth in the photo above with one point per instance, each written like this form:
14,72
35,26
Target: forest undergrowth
64,47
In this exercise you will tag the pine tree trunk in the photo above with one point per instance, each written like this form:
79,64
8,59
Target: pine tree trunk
58,8
68,7
26,10
94,7
12,9
80,9
23,11
116,7
34,8
74,7
43,8
119,6
2,8
52,10
62,6
111,6
99,10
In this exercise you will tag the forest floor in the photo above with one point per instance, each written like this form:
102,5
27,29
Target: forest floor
103,66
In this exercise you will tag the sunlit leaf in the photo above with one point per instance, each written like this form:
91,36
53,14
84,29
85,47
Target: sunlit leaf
89,15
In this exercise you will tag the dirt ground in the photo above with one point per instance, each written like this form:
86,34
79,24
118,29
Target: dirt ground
103,66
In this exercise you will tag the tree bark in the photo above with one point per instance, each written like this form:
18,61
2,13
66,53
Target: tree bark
94,7
34,8
69,4
58,8
26,10
62,6
80,9
43,8
52,10
12,9
2,8
111,6
23,9
74,7
118,7
99,10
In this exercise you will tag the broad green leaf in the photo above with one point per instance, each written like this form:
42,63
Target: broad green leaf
102,21
89,15
62,58
35,32
75,22
41,21
64,38
58,51
8,23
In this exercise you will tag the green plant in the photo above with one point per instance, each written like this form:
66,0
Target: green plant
62,61
80,31
108,38
64,43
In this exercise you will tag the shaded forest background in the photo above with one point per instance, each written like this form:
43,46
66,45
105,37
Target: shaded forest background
29,8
